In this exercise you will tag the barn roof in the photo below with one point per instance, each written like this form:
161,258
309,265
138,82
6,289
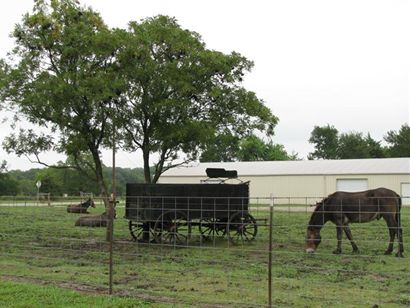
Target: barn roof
302,167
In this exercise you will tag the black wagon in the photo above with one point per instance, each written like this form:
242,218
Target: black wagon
168,213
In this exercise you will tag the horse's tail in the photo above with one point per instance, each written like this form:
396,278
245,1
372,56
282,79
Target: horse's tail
399,229
398,215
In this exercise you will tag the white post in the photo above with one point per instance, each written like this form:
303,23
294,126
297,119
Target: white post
38,184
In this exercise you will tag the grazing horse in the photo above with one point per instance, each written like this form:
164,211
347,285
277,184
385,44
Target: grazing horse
342,208
80,208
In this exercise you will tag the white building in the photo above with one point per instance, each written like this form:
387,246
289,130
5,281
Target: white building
308,178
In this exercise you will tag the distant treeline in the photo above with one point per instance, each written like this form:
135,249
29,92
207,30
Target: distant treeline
58,182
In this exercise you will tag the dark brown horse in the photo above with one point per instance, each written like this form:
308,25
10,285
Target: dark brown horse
93,221
80,208
96,220
342,208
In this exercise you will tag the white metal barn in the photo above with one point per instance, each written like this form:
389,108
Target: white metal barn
307,178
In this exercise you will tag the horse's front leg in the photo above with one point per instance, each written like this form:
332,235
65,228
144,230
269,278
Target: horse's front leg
350,237
339,233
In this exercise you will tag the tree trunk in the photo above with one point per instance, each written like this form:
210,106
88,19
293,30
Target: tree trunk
147,170
100,177
104,192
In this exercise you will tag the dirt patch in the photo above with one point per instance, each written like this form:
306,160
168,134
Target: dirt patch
83,288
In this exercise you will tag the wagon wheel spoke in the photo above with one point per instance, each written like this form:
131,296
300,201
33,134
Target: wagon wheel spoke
210,227
245,234
136,230
169,237
181,238
249,230
208,232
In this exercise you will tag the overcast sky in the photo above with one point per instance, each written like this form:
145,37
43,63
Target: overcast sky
344,63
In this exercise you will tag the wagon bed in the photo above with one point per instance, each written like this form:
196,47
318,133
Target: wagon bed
166,213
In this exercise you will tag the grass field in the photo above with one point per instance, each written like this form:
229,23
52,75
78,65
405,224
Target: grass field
41,246
25,295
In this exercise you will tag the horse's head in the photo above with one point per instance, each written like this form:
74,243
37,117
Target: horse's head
92,204
317,220
313,239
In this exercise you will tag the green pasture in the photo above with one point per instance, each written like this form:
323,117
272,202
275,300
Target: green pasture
25,295
41,246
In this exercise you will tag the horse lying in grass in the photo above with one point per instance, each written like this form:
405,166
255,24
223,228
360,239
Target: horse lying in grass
342,208
93,221
82,207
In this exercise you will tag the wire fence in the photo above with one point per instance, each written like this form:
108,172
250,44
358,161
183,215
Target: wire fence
250,253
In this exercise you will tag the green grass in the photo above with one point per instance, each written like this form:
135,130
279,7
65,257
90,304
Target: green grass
40,245
25,295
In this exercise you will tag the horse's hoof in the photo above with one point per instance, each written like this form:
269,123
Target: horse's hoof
388,252
355,251
399,255
337,251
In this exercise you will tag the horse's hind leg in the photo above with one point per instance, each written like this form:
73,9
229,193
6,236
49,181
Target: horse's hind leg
393,228
392,232
350,237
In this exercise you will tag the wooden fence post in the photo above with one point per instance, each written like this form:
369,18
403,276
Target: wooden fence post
270,253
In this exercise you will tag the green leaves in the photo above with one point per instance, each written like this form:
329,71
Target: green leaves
181,94
329,144
28,142
399,142
325,140
65,78
156,85
228,147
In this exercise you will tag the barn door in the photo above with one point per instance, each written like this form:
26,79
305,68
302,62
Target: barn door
405,193
351,185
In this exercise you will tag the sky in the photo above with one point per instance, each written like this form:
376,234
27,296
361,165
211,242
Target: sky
343,63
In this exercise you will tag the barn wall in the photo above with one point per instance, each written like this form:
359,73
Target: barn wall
295,188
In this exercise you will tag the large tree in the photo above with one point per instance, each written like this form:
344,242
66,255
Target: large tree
253,148
399,142
222,148
250,148
354,145
329,144
182,95
63,77
325,140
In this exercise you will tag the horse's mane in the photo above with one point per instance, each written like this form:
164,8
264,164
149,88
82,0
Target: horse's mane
320,203
317,215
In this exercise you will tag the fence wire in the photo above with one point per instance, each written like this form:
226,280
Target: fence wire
210,257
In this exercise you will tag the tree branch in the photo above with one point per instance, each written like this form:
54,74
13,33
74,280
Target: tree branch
38,161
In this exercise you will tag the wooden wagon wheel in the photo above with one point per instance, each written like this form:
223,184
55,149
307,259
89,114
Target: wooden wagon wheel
137,230
241,227
172,228
210,227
